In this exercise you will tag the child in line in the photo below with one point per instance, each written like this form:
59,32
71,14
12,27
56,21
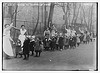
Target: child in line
18,48
26,48
38,47
32,45
61,41
78,40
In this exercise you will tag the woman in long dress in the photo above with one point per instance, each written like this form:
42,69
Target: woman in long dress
7,47
22,34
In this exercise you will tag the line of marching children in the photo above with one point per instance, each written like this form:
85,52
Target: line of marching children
65,41
30,45
24,45
61,42
35,45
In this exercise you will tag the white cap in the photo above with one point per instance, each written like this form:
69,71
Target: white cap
28,36
60,34
33,36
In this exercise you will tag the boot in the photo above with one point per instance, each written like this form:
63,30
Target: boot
24,57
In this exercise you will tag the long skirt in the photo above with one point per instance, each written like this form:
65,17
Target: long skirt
7,47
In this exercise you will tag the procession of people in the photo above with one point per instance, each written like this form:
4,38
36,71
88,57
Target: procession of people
53,40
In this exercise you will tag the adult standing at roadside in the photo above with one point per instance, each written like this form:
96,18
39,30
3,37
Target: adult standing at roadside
7,47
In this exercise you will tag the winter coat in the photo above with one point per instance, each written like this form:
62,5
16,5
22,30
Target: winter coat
61,41
26,46
38,45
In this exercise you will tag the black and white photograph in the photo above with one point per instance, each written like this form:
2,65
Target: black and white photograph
49,36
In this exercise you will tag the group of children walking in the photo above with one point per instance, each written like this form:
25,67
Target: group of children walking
25,45
30,45
35,45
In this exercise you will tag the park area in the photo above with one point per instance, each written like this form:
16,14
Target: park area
65,31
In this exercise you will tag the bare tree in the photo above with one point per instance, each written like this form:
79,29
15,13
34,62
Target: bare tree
3,12
77,14
76,9
84,16
45,16
81,16
36,22
91,17
66,10
15,16
41,18
12,11
51,14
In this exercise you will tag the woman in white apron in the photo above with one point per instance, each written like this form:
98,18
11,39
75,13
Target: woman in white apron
22,34
7,47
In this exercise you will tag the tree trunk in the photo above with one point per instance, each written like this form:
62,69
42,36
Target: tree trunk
45,17
67,14
15,16
3,13
76,16
12,13
50,14
91,17
84,16
41,17
37,21
74,8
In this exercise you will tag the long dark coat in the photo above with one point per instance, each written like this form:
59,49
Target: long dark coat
32,45
38,45
61,41
53,42
46,42
26,46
